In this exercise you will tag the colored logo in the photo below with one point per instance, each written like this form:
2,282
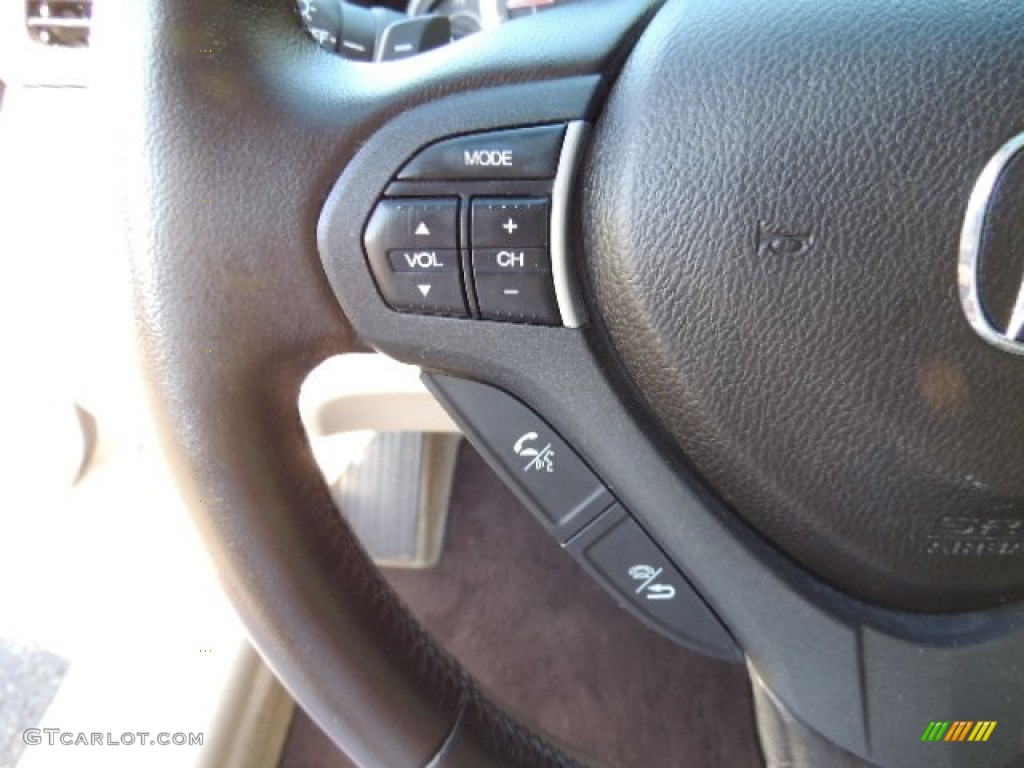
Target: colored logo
958,730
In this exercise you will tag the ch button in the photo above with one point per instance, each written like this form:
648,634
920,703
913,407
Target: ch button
514,284
511,263
520,222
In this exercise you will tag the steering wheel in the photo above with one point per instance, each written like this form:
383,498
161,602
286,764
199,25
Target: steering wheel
776,314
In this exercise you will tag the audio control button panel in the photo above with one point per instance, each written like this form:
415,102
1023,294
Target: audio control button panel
474,227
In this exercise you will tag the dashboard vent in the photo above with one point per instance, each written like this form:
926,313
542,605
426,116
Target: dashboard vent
59,22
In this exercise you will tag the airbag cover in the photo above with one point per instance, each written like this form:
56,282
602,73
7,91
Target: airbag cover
773,201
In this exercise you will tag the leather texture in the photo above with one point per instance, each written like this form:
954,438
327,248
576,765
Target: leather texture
773,201
233,126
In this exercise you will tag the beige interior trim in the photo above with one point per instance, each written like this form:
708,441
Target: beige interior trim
348,393
253,724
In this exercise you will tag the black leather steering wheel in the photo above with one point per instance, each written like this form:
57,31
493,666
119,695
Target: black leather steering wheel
778,380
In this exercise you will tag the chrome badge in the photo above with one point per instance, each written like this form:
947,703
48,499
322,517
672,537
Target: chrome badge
1011,338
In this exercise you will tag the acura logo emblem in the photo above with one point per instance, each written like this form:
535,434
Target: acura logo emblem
1011,338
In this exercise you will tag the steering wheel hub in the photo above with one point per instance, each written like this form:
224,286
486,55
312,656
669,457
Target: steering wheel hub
774,201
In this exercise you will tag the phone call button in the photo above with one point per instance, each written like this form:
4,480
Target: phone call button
543,470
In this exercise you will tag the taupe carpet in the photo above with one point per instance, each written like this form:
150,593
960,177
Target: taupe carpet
547,642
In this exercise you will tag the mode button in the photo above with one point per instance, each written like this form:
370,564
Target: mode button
520,153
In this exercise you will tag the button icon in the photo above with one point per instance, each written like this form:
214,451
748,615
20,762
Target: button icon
487,157
541,460
506,259
424,288
423,260
422,229
510,226
646,574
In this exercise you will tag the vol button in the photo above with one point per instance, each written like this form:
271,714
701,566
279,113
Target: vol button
425,260
413,223
435,293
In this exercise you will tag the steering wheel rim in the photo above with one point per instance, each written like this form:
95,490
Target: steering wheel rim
236,128
206,73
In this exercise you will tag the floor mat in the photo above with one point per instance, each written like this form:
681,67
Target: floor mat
551,646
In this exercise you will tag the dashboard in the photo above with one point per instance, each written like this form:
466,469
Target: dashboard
376,33
469,16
